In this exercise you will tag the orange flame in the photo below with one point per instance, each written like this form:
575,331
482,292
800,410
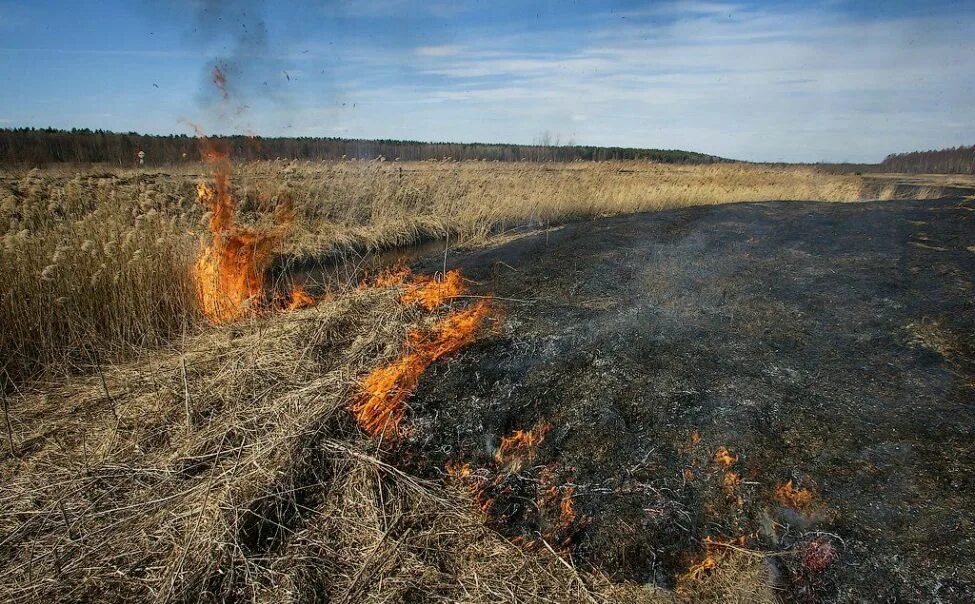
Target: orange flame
381,406
731,481
724,457
431,293
521,446
391,277
714,551
790,496
229,271
428,292
300,299
459,470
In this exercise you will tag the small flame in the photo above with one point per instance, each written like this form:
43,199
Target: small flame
731,481
459,470
714,551
520,447
789,496
724,457
300,299
431,293
423,290
388,278
382,405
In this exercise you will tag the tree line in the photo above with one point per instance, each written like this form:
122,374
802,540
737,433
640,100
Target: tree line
39,146
954,160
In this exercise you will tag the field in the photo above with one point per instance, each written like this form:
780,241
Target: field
152,454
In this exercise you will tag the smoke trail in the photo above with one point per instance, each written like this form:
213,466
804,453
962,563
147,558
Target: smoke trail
244,70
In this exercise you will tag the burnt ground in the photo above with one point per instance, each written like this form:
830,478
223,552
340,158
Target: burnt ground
827,344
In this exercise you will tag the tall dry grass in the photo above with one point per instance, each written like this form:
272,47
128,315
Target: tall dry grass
375,205
94,264
90,268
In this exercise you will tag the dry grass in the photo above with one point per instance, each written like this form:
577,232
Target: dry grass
223,466
89,270
93,264
228,470
375,205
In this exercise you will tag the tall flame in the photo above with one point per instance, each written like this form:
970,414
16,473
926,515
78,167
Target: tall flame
229,271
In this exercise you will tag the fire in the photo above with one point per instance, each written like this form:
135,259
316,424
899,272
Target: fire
431,293
300,299
423,290
567,510
714,551
229,271
731,481
392,277
521,446
381,406
790,496
459,470
724,457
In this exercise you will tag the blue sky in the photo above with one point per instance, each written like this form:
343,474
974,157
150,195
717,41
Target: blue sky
768,81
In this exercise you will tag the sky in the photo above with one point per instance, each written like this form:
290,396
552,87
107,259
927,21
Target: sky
760,81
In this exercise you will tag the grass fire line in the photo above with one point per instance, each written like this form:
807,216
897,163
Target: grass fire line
381,405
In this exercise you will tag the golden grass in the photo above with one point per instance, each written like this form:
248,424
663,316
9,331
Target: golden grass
375,205
88,270
93,264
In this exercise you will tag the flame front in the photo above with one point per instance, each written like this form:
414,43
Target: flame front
431,293
381,406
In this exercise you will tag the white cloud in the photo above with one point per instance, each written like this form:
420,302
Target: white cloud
799,86
444,50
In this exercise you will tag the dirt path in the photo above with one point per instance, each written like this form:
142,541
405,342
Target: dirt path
827,344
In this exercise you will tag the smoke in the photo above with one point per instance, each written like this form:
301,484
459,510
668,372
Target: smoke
244,70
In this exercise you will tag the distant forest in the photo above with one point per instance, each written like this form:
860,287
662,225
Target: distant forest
956,160
33,147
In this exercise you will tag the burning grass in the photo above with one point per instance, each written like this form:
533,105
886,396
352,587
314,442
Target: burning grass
225,466
519,448
382,404
230,470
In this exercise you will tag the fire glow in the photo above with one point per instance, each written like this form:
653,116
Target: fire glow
520,446
229,272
